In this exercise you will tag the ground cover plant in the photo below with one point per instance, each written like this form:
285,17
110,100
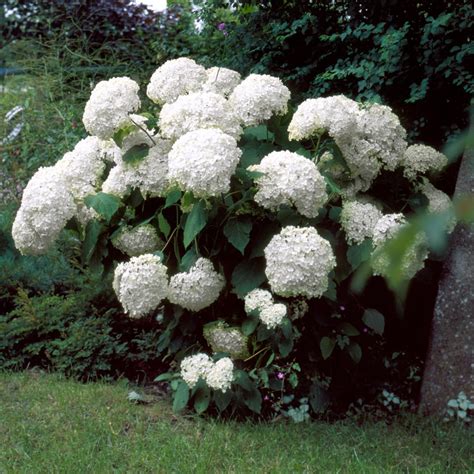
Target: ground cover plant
50,424
237,223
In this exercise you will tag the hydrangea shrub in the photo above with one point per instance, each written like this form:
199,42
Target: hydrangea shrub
229,217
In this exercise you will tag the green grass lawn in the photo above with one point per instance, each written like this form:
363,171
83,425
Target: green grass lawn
49,424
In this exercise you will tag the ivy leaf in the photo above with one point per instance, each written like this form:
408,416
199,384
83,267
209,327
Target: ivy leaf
93,230
327,345
360,253
195,222
181,396
248,275
163,225
355,352
237,232
374,320
106,205
202,399
222,399
136,153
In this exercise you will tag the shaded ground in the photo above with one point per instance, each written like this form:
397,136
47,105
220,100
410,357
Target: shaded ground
48,424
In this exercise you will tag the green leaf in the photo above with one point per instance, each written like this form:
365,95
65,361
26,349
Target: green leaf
172,198
331,292
355,352
202,399
188,260
237,232
181,396
249,325
222,399
333,187
163,225
243,380
318,398
348,329
120,135
106,205
287,328
93,230
360,253
195,222
285,347
164,377
187,200
136,153
374,320
253,400
261,236
248,275
327,345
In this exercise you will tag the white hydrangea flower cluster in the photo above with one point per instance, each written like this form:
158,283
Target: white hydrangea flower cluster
140,284
422,159
198,110
203,161
270,313
195,367
439,203
387,227
299,261
46,206
217,375
109,106
83,167
358,219
197,288
221,80
291,179
223,338
174,78
150,174
336,115
258,97
369,138
138,240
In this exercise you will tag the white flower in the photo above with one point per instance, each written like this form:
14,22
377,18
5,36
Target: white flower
299,261
83,167
198,110
221,80
109,106
273,315
203,162
290,179
259,97
336,115
46,206
382,129
439,203
138,240
257,299
150,174
174,78
195,367
140,284
221,375
358,219
422,159
197,288
387,227
222,338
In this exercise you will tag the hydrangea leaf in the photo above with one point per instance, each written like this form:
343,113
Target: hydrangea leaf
136,153
104,204
195,222
327,345
181,396
248,275
222,399
237,232
93,230
355,352
202,399
357,254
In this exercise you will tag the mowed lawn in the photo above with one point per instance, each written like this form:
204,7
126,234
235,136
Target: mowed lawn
49,424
